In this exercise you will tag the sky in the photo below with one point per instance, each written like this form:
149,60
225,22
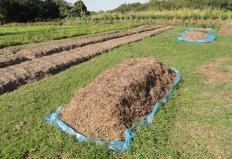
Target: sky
96,5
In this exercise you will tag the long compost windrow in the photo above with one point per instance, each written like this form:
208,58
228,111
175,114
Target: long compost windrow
14,55
37,67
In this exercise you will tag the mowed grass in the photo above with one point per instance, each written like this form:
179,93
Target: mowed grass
25,34
195,123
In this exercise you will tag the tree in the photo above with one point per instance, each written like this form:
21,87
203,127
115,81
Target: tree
1,18
78,9
64,8
50,10
29,10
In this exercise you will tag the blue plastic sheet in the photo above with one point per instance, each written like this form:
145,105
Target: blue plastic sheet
117,146
211,37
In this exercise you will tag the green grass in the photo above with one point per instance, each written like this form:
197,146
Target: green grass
11,35
195,123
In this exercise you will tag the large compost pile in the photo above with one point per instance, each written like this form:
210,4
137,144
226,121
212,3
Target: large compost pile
118,98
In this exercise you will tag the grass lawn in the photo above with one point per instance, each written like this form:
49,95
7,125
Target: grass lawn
195,123
18,35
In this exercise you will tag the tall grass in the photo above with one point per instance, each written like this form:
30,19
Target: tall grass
185,15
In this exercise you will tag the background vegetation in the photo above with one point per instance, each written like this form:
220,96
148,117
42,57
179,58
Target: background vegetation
39,10
197,12
175,4
44,10
187,16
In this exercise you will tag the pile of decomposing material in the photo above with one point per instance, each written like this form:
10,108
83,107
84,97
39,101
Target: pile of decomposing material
118,98
197,34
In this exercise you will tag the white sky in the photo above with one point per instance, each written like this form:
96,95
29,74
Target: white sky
96,5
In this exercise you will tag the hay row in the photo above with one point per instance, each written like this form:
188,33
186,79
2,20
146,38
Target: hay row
36,69
9,60
47,48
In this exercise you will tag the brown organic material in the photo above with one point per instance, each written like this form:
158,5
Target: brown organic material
196,35
118,98
6,61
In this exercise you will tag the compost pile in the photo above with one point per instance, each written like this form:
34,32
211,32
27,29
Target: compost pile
118,98
196,35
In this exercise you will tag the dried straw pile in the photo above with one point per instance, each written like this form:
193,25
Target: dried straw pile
118,98
196,35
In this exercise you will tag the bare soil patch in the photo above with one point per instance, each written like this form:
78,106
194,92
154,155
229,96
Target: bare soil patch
219,71
196,35
226,29
118,98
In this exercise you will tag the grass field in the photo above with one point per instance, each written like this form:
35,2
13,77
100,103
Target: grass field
196,122
11,35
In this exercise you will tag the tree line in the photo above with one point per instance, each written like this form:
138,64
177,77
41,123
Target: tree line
39,10
175,4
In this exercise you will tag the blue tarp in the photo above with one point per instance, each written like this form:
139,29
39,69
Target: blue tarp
211,37
117,146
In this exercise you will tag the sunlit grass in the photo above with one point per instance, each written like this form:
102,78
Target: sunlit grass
16,34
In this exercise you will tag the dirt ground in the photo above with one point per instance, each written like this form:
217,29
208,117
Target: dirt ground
226,29
219,71
118,98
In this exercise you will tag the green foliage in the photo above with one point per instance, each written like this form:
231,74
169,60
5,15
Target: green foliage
39,10
29,10
124,8
65,9
175,4
1,18
78,9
